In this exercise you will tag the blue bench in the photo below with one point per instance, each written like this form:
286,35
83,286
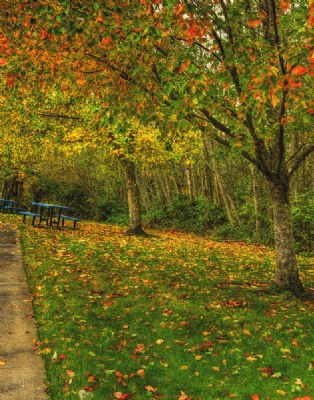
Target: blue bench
29,214
73,219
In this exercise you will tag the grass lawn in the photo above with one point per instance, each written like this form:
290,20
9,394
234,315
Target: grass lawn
174,316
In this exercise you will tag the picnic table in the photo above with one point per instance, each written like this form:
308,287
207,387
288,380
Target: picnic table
50,213
9,206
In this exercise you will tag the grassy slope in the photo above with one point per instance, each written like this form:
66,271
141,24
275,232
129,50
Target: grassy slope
175,316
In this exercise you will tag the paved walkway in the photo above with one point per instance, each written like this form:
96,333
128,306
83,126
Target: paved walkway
22,375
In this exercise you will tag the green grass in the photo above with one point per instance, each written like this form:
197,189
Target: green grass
165,317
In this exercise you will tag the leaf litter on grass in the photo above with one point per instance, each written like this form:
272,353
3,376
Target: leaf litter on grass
176,313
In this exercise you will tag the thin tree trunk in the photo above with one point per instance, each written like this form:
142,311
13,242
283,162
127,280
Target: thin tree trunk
257,203
135,227
286,273
188,172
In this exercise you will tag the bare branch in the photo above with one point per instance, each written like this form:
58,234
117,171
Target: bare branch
298,161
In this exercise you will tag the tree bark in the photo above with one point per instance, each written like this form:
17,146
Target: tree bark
286,273
134,204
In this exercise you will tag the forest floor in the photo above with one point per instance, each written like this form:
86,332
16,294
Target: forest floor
171,316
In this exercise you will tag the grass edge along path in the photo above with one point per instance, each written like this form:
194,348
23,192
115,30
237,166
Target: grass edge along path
175,316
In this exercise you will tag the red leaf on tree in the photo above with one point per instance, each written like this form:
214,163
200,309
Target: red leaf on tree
178,8
255,22
184,66
299,70
284,4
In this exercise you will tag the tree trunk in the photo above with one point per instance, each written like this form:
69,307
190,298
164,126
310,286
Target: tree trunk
257,203
286,273
135,227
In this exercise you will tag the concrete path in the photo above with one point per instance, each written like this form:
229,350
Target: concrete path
22,375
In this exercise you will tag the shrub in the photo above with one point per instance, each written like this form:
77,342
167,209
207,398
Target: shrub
303,222
197,215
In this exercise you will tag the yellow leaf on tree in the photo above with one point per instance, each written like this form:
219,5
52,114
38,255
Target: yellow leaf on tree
274,100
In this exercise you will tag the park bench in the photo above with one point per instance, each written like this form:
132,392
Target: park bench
73,219
29,214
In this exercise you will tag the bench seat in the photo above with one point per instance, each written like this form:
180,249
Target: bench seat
73,219
29,214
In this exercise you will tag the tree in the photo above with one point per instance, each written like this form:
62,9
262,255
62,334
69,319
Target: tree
239,71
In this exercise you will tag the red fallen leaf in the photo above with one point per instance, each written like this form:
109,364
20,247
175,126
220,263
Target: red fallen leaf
106,40
89,388
122,396
255,397
267,370
151,389
120,378
63,356
70,373
303,398
208,343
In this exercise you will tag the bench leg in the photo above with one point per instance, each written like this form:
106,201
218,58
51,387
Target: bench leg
24,219
33,221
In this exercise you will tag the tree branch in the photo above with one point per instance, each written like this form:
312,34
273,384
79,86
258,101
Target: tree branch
300,159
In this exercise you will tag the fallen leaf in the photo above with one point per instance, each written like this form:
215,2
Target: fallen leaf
151,389
141,373
122,396
255,397
184,396
92,378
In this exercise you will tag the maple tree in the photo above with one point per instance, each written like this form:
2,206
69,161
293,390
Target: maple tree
240,72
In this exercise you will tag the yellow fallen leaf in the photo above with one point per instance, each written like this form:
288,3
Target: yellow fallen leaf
197,358
184,367
282,392
216,369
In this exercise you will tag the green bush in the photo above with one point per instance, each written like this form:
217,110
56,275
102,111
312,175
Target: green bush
197,215
303,222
